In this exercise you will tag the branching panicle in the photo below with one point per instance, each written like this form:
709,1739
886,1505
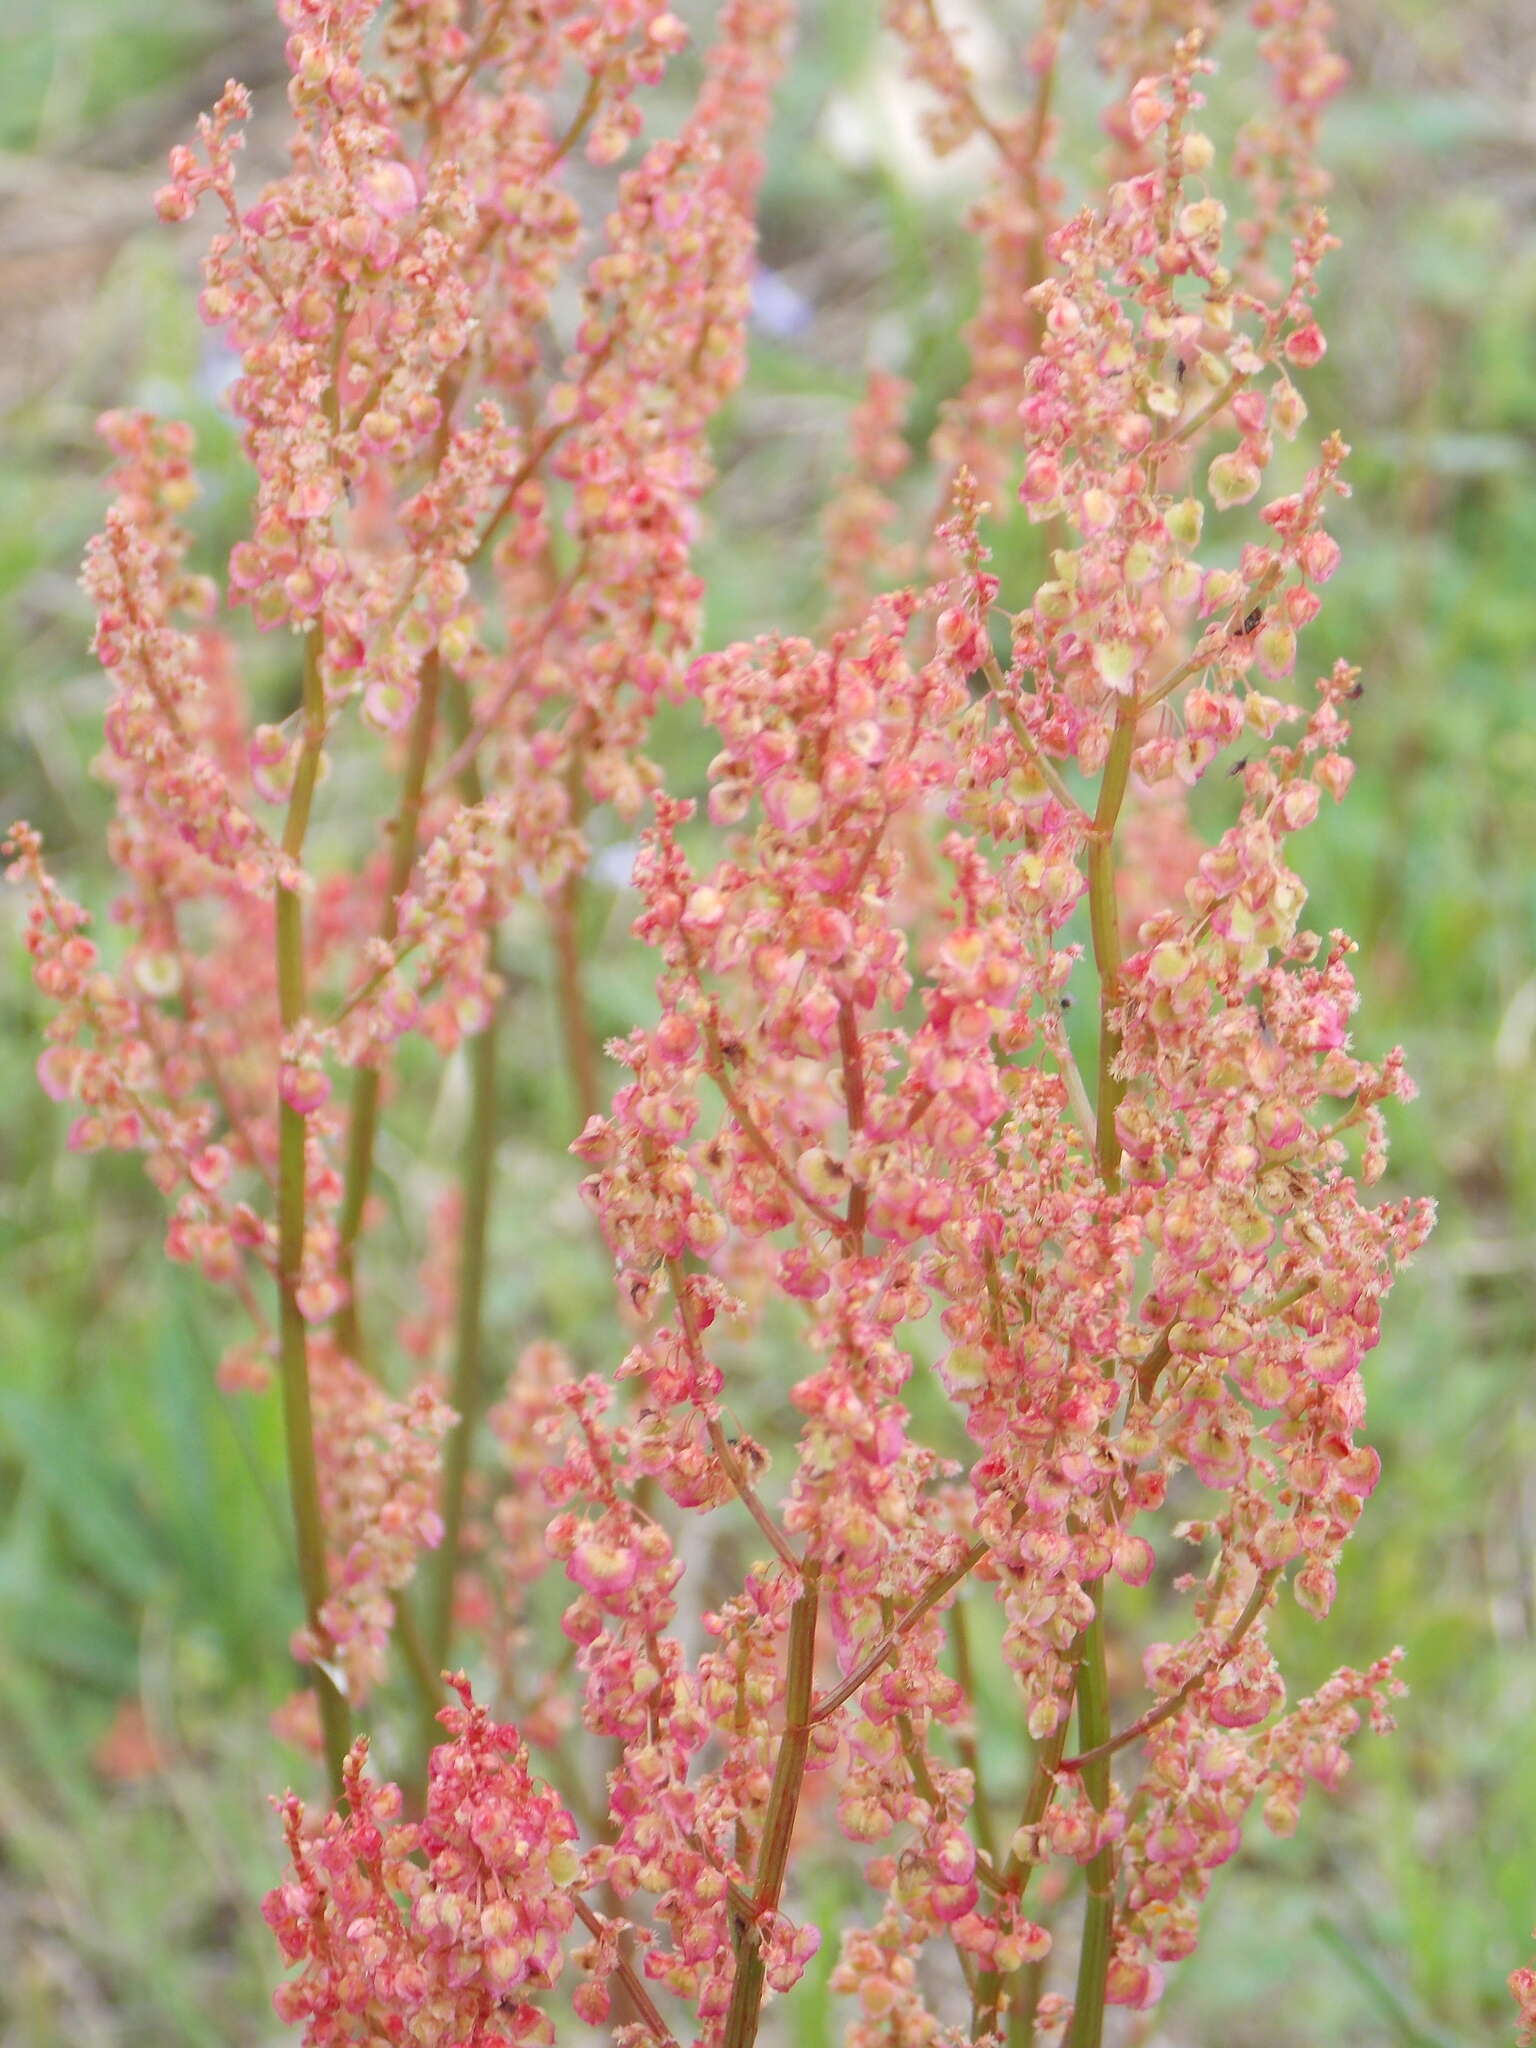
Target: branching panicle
1125,1244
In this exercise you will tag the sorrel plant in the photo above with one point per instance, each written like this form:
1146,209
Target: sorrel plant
1077,1305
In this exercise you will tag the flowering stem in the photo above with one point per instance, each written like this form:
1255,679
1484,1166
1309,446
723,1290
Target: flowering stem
464,1388
469,740
891,1641
730,1463
298,1418
1098,1920
474,1230
1092,1674
922,1782
783,1803
761,1144
362,1127
624,1970
1258,1600
1017,1870
424,1679
1186,431
1049,773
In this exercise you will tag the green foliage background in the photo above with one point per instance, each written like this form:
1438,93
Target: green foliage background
143,1552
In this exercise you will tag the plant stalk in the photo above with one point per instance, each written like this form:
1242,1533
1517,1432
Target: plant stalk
783,1803
479,1164
363,1124
293,1353
1099,1919
465,1390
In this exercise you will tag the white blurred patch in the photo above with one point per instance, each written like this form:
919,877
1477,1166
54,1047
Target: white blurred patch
878,121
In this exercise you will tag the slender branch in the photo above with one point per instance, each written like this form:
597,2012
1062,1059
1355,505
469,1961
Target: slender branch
578,125
747,1494
916,1761
363,1122
474,736
984,122
1208,645
298,1414
1165,1710
490,29
1187,429
761,1144
424,1680
1151,1367
1203,656
524,470
940,1584
1017,1870
757,1138
624,1970
1050,774
198,1031
1060,1047
783,1803
734,1470
1156,1360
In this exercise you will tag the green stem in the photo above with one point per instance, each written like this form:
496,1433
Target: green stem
783,1804
1027,1986
1090,1679
428,1686
896,1635
1015,1874
363,1124
465,1388
298,1415
1092,1676
1099,1919
478,1167
1049,773
1165,1710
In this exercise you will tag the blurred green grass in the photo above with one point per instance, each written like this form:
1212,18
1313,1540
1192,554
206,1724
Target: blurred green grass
141,1551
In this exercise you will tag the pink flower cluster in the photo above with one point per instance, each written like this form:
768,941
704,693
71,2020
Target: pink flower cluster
442,1929
1022,1127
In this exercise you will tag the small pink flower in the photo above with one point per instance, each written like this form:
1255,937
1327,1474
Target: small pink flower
389,188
